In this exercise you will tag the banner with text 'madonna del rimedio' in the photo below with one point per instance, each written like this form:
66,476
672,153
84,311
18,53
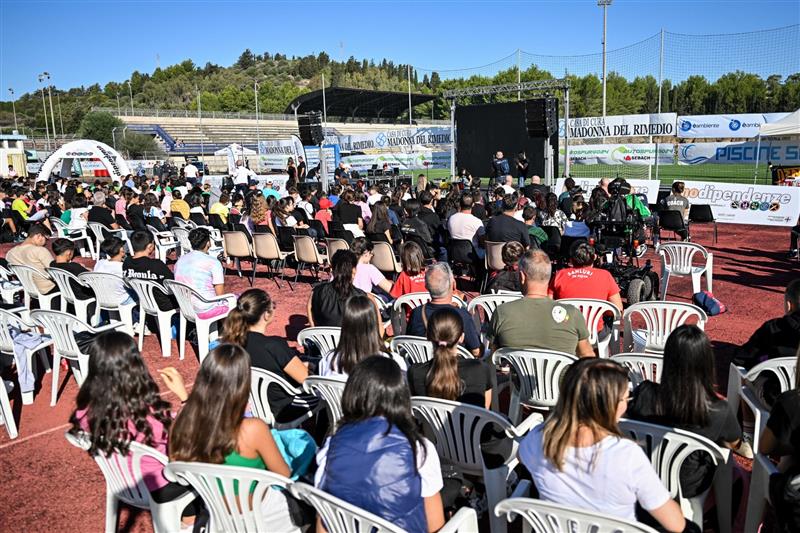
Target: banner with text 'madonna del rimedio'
738,203
660,124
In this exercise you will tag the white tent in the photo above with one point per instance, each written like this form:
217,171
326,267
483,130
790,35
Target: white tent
85,149
234,152
787,126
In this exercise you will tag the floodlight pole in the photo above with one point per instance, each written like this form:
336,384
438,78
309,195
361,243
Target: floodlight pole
200,119
519,74
258,130
44,108
130,93
452,138
60,117
604,4
14,108
410,120
324,104
660,84
566,133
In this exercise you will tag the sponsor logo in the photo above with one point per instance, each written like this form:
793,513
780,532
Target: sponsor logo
380,139
79,154
687,155
686,125
734,124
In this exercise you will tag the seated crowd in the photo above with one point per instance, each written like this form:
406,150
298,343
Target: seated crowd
377,456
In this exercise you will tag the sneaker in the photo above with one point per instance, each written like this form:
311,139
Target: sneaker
641,250
745,448
792,254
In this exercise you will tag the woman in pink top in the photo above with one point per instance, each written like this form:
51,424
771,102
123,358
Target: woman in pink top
119,402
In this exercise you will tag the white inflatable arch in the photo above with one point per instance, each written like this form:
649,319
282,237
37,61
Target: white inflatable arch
85,149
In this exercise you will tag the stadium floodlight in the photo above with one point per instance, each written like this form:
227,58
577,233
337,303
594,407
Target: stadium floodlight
14,107
43,76
604,4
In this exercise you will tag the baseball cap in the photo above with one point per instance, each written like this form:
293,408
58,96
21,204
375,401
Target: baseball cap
325,204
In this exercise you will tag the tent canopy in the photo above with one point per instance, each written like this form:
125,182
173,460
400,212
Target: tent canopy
787,126
236,148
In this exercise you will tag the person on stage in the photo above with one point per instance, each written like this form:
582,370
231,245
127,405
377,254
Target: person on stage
500,168
522,169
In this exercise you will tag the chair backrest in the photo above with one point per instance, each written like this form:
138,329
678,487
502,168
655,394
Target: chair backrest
383,258
661,319
641,366
668,448
539,373
58,225
325,338
784,368
338,516
494,255
489,303
26,276
334,245
701,213
416,350
97,230
236,244
146,291
231,506
671,220
413,300
182,234
185,296
305,250
5,274
330,390
548,517
64,281
123,473
105,286
260,380
62,328
593,311
457,430
7,321
677,256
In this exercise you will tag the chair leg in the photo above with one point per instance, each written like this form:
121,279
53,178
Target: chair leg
142,316
664,285
44,361
759,492
8,415
202,339
165,331
253,277
182,338
710,272
696,282
297,271
54,387
514,407
495,482
112,508
723,483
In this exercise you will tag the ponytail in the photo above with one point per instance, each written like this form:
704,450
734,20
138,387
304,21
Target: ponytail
445,330
236,328
252,305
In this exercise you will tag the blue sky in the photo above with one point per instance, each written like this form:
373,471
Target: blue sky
85,42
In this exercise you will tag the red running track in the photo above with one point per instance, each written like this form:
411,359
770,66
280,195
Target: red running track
46,484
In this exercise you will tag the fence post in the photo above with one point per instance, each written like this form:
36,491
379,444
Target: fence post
660,87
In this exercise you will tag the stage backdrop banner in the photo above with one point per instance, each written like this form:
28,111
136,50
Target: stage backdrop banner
737,203
777,152
661,124
647,187
393,139
274,155
331,157
619,154
412,161
741,126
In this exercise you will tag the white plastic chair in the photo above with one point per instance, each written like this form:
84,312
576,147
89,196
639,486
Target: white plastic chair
539,373
593,312
661,319
488,303
676,260
641,366
338,516
413,300
329,390
26,276
325,338
417,350
148,305
64,281
783,368
61,328
667,449
8,287
9,320
457,431
760,414
763,468
7,414
206,327
260,381
182,236
125,483
98,230
546,517
231,506
165,242
105,285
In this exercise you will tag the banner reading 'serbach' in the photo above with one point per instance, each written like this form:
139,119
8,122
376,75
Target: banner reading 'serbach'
737,203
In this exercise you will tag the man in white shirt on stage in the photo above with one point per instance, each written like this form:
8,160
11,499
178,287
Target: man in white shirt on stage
241,178
190,173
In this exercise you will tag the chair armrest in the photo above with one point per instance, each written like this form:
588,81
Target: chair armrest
107,327
216,299
464,521
522,429
523,489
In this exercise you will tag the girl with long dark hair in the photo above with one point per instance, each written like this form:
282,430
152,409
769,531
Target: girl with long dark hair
579,457
327,299
377,459
552,215
360,338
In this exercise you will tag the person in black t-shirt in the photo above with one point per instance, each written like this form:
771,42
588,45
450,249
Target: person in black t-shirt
536,185
777,337
326,303
504,227
100,213
64,250
142,266
246,326
301,169
346,211
135,214
685,398
414,228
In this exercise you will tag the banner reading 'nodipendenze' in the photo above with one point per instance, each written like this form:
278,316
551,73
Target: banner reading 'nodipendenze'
736,203
661,124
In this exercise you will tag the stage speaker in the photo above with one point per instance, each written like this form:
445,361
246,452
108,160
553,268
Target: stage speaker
310,125
541,117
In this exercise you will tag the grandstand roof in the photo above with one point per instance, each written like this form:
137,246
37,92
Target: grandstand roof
346,102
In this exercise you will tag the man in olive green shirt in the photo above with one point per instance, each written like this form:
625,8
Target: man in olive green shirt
537,321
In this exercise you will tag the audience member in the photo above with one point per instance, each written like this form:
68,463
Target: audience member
33,252
327,299
538,235
141,265
324,215
100,212
64,250
507,279
360,338
114,250
204,274
412,278
178,205
503,227
368,277
777,337
552,215
676,201
465,226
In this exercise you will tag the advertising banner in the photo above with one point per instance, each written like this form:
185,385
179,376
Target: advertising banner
411,161
662,124
331,157
741,126
619,154
777,152
274,155
396,139
647,187
737,203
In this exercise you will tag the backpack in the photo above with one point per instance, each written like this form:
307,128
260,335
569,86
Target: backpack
706,301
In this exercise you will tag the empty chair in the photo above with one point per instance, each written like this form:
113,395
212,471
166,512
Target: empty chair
266,249
641,366
417,350
231,509
260,382
146,291
383,259
324,338
125,483
65,280
62,328
673,221
660,319
105,287
182,236
547,517
307,255
539,373
206,327
763,469
702,214
329,390
238,248
61,230
676,260
593,312
26,276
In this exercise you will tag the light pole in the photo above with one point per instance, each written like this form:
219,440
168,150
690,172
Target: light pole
200,119
119,109
130,93
258,130
50,98
14,108
60,117
604,4
44,108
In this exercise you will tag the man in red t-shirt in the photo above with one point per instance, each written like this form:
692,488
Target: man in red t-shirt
583,280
